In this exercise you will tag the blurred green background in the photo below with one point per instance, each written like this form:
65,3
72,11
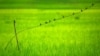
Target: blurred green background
76,35
41,3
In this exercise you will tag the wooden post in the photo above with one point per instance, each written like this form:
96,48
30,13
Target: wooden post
16,35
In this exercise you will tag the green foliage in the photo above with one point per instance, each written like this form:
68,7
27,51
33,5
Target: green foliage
65,37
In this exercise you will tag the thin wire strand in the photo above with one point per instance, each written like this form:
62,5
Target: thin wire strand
82,10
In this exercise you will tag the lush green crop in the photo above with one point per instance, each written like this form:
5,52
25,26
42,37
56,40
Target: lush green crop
47,32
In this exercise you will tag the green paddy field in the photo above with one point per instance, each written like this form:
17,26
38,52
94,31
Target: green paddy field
50,30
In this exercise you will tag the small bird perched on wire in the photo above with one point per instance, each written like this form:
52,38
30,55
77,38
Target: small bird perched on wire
92,4
81,10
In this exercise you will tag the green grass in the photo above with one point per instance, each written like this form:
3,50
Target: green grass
65,37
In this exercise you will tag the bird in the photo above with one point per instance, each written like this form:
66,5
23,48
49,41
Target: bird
40,24
49,20
46,22
86,8
63,16
92,4
54,19
81,10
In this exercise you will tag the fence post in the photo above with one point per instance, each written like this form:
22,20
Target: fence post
16,35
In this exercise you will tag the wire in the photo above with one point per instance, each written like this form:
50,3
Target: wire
49,21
